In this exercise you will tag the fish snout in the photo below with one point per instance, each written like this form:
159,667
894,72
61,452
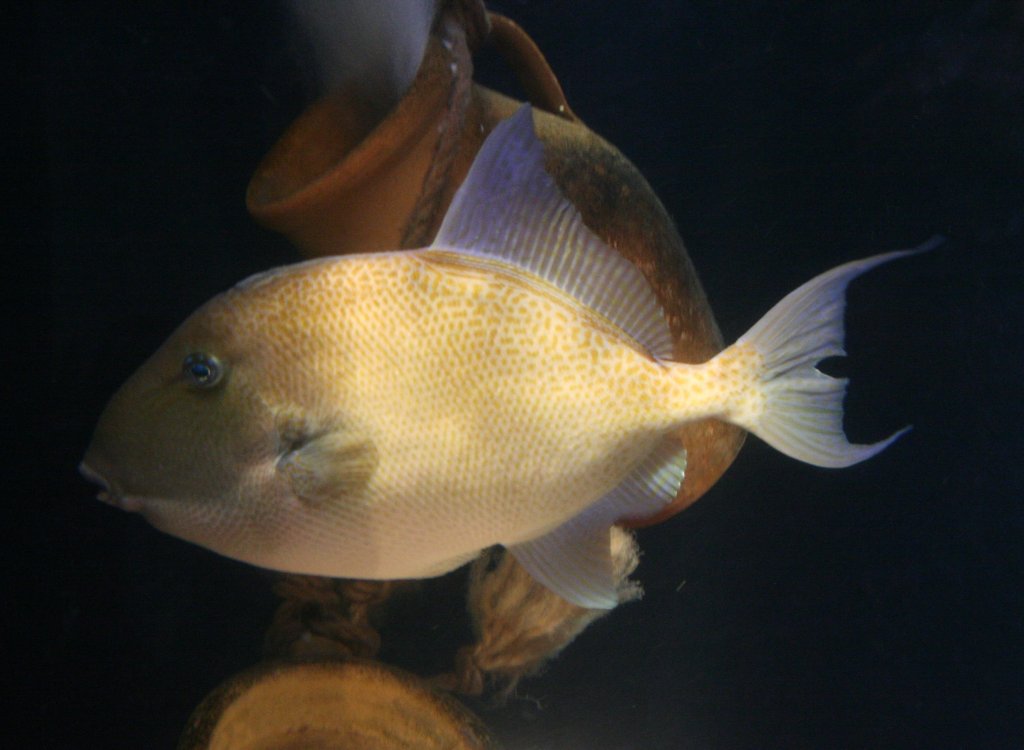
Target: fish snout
109,492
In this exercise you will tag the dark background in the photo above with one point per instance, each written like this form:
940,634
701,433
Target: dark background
792,607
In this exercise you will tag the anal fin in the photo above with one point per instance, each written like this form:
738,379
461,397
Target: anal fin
574,560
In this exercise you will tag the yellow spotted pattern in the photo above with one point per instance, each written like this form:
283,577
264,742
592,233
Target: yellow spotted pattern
498,407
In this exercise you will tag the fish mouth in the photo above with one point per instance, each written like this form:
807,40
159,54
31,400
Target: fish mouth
109,492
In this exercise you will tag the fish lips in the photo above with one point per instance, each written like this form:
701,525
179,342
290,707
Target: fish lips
109,492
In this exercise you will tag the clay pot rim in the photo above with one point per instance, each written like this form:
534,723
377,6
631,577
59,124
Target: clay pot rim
399,127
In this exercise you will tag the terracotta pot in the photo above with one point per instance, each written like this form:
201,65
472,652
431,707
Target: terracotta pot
344,179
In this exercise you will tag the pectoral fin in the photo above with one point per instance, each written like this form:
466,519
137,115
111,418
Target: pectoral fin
329,466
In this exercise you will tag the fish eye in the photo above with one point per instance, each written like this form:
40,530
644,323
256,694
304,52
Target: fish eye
202,370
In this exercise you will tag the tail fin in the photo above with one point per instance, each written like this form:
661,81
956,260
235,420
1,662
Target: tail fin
803,407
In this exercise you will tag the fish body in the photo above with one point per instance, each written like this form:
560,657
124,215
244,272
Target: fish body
390,415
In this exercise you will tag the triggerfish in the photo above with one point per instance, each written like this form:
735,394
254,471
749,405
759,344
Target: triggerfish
390,415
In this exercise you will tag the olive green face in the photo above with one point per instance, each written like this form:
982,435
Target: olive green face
188,438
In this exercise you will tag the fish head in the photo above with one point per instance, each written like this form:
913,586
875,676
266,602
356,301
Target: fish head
191,441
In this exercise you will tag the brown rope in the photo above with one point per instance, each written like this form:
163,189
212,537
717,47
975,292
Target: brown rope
520,624
325,617
473,18
420,227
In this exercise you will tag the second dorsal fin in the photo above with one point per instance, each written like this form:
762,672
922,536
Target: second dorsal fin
510,209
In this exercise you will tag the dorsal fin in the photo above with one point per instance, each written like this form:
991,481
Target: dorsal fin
510,209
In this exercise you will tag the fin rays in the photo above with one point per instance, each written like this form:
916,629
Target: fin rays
803,412
510,209
574,560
